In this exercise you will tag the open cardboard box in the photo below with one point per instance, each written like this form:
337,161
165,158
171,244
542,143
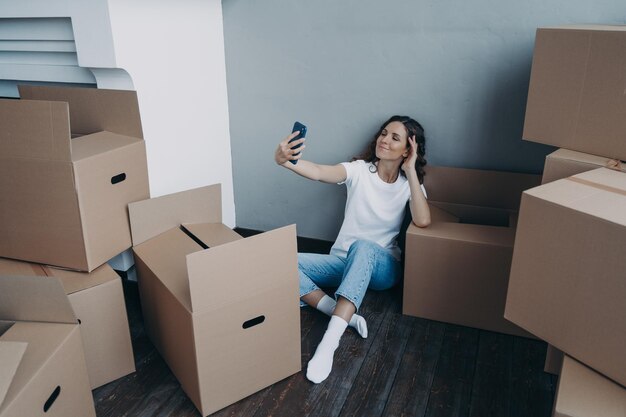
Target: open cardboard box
576,94
564,163
97,299
222,310
64,201
42,365
568,280
457,269
582,392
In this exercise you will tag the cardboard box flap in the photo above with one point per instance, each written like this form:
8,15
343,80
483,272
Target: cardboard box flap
154,216
218,277
211,234
93,110
11,354
42,299
440,215
34,130
583,392
477,187
165,255
74,281
472,233
96,144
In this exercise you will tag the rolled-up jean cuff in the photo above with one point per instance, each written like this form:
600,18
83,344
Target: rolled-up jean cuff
351,299
302,303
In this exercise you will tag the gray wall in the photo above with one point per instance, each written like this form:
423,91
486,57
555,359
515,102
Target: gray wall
343,66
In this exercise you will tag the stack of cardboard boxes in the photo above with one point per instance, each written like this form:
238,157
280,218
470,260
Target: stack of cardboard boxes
568,276
71,159
222,310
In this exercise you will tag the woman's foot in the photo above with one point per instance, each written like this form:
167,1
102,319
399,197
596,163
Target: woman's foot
321,363
327,305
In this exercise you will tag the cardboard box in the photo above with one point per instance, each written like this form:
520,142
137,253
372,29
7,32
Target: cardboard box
223,311
457,271
564,163
576,95
583,392
98,302
42,365
567,283
64,201
554,360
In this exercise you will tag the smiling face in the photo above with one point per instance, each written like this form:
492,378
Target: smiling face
392,143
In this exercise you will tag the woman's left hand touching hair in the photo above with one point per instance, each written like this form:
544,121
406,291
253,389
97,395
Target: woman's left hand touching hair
411,159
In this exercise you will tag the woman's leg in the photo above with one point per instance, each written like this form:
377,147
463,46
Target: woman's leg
368,265
324,270
366,261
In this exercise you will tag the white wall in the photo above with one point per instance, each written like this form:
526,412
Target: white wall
172,54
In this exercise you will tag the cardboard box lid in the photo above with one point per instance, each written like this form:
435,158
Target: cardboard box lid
477,187
149,218
34,129
93,110
599,193
470,233
585,158
96,144
210,271
211,234
13,267
583,392
72,281
11,354
33,298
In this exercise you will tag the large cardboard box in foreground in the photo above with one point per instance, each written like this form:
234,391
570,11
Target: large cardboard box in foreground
63,201
42,365
223,311
98,302
457,269
564,163
576,94
568,280
582,392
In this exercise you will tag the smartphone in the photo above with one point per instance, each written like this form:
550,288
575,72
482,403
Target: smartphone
297,126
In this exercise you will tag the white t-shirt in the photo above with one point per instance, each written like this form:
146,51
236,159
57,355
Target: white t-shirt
374,209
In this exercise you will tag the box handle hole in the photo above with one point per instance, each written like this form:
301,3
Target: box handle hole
51,399
253,322
118,178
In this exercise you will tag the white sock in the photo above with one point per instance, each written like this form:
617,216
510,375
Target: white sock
327,305
321,363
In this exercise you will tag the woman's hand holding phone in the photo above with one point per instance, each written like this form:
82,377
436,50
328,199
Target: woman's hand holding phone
290,149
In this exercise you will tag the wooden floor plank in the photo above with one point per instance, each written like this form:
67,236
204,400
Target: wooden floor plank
452,383
490,388
532,390
443,370
411,388
303,398
374,381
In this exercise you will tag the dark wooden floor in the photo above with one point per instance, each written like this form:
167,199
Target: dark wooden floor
406,367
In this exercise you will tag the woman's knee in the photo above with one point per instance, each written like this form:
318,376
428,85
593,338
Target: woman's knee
363,246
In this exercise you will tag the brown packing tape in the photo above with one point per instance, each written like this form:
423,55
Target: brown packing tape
598,186
616,165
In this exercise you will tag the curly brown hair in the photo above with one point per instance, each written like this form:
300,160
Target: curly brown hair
413,128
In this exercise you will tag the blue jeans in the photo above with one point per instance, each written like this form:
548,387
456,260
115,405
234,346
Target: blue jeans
367,265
